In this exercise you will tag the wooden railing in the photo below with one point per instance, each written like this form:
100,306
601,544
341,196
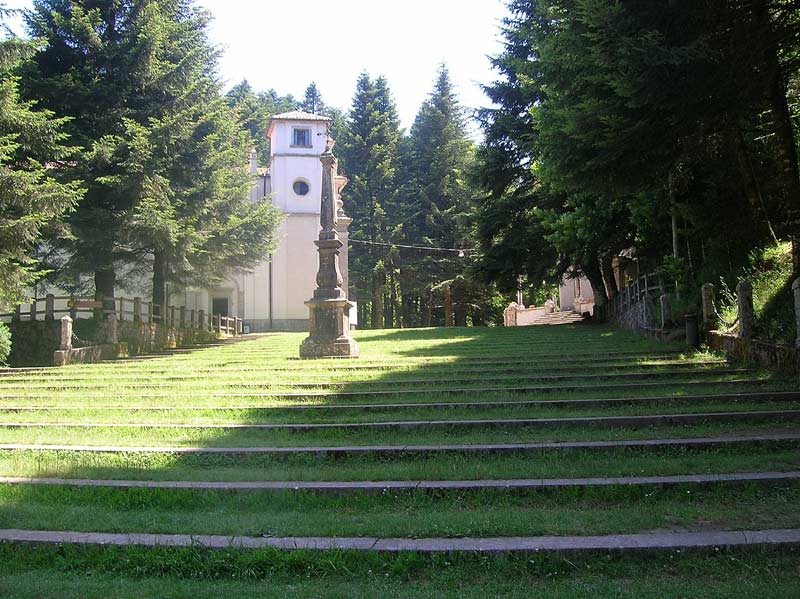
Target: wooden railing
134,309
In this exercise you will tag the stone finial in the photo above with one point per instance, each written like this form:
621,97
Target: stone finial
66,333
796,292
744,298
709,311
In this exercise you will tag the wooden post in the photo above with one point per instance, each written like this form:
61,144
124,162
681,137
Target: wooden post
50,307
73,311
121,309
150,312
666,310
709,312
218,323
201,319
172,316
744,297
33,310
182,316
137,309
17,314
191,318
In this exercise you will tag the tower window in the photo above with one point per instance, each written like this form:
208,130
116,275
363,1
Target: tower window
300,187
301,137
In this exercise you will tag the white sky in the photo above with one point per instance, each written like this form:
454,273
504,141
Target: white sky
286,45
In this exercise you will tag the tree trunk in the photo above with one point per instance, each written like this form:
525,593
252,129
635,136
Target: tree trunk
595,278
750,184
378,287
427,307
104,281
159,283
607,270
448,306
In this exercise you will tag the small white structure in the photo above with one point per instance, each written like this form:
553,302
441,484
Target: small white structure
575,294
272,296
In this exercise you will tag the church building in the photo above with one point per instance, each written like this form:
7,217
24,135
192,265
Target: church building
272,295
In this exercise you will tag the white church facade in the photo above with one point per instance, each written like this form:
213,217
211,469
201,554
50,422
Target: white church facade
272,295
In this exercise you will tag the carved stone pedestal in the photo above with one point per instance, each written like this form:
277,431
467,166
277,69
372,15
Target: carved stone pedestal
329,310
329,325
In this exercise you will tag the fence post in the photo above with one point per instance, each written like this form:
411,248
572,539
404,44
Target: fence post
218,323
121,308
149,312
66,333
73,311
172,316
709,312
666,310
182,317
33,310
137,309
201,319
744,297
50,307
796,291
17,314
191,318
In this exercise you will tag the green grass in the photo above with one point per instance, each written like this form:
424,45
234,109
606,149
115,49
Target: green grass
36,572
242,382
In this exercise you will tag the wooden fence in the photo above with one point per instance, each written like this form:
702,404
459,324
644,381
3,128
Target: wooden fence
123,309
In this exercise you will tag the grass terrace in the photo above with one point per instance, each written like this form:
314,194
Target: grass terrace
566,431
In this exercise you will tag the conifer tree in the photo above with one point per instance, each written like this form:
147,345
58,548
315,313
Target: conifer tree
32,200
369,157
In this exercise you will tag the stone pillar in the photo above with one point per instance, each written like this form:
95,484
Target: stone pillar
137,309
666,310
709,311
744,297
796,292
66,333
111,328
329,310
50,307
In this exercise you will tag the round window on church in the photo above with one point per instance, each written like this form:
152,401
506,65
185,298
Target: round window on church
300,187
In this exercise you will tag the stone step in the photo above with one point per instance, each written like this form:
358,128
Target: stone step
701,442
426,391
669,541
215,382
337,487
592,421
733,397
164,379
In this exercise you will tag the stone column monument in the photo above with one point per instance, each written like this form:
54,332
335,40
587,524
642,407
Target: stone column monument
329,309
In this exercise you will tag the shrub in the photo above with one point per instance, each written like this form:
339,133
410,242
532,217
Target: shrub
5,344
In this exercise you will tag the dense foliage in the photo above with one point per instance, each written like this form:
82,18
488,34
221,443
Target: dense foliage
650,129
163,158
33,150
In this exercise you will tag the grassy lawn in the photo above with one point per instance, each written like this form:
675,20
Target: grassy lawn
187,398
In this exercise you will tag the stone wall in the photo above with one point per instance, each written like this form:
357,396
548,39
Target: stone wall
142,338
768,355
33,342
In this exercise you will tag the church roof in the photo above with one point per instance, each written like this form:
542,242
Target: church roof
299,115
